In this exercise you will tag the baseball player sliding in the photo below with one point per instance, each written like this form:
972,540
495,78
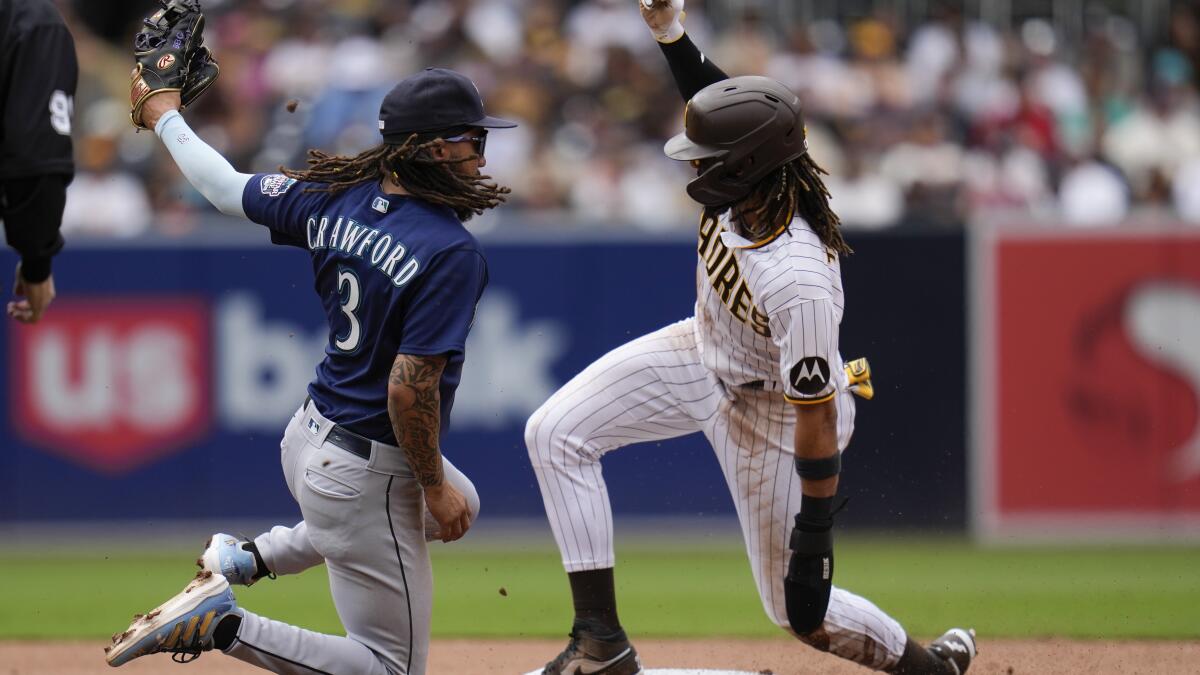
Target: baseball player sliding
399,278
756,370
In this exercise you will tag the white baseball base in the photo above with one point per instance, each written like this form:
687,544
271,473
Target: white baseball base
680,671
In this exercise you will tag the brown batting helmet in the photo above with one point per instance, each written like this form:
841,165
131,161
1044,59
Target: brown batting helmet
747,126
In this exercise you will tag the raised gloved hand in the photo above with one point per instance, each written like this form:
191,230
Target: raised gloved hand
202,72
170,57
664,17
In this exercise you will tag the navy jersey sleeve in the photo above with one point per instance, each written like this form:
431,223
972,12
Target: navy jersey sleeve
283,205
442,309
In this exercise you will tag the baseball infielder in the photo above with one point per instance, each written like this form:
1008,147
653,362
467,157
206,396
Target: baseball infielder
399,278
756,370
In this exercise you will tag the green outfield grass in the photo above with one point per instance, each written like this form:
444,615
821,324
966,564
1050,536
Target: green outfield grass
692,589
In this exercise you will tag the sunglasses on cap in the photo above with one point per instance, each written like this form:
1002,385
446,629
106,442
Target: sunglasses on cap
479,140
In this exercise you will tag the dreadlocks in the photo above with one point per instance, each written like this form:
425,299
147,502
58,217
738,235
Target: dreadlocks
795,187
413,167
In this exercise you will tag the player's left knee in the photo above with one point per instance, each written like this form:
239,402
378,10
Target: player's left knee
549,444
533,429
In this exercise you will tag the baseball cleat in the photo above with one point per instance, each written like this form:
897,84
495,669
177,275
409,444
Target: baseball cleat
588,654
224,555
182,626
858,372
956,647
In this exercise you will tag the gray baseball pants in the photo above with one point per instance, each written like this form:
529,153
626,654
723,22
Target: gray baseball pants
366,520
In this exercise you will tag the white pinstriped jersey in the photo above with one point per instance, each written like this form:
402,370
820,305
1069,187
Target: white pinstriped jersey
769,312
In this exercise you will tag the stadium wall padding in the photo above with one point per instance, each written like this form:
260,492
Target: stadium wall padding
162,378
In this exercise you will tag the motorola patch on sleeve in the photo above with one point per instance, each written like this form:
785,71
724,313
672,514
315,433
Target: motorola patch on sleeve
810,375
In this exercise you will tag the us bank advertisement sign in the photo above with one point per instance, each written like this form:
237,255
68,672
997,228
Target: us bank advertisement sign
161,380
1087,383
158,385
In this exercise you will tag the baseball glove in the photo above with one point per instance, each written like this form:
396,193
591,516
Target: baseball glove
170,56
202,72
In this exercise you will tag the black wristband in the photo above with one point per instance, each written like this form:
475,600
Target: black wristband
819,469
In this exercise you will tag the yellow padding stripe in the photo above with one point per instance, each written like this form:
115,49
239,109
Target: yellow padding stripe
208,619
191,629
810,401
173,637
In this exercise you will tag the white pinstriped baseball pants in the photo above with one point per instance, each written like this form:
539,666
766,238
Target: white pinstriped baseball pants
655,388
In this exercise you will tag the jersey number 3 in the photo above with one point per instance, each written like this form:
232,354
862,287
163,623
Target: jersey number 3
351,297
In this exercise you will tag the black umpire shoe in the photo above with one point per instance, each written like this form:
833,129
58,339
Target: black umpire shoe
592,652
956,647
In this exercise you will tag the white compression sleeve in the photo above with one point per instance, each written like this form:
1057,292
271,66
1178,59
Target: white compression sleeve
205,168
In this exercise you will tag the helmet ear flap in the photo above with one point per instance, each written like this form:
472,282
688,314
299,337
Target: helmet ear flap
711,186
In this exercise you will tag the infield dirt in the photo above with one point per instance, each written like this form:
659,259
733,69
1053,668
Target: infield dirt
781,657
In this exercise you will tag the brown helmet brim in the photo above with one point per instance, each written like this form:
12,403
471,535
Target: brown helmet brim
683,149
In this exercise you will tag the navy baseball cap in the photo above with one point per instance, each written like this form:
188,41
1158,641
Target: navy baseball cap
435,99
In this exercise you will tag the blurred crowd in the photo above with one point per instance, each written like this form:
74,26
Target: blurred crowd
918,125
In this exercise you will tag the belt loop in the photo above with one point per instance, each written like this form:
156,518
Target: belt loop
389,460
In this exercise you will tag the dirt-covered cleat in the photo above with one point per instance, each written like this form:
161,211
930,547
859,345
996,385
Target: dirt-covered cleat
956,647
182,626
224,554
592,652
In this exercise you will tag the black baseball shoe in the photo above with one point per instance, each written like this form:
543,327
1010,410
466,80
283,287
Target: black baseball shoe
956,647
592,652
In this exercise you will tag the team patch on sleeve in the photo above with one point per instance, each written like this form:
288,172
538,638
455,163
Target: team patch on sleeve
276,184
810,375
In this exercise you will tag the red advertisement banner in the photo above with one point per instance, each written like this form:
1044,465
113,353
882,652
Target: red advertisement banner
1091,392
113,383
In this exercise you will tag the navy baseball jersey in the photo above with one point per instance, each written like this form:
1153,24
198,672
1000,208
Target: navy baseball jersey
394,274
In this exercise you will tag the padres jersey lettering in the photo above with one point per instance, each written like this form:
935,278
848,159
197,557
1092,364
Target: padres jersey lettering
766,306
721,266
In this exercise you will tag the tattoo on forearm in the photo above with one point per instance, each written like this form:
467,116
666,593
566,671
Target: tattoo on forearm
415,410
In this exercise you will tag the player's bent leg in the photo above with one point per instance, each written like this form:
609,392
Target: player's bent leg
282,648
857,630
383,591
379,576
752,439
366,524
287,550
649,389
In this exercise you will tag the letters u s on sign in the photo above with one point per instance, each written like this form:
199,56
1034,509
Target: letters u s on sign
111,384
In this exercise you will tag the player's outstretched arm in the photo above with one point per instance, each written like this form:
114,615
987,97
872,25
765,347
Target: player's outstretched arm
204,168
415,410
691,69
